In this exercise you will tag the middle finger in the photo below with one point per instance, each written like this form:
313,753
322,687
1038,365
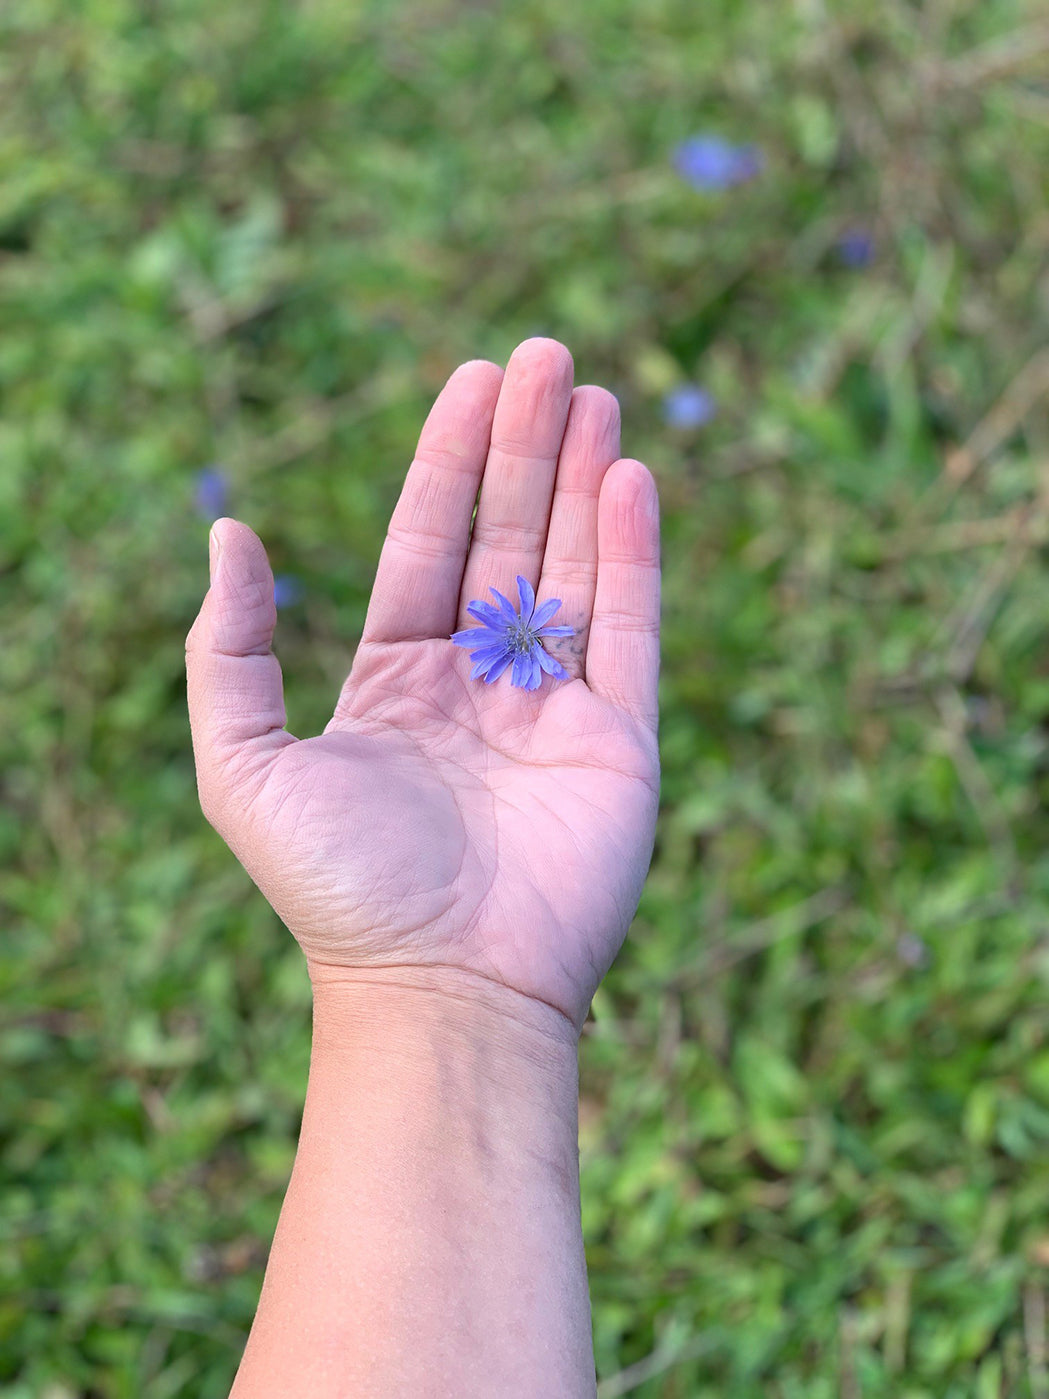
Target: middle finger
513,512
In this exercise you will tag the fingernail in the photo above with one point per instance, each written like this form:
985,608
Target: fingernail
214,549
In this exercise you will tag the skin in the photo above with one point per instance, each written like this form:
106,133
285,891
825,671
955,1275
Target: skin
460,863
439,821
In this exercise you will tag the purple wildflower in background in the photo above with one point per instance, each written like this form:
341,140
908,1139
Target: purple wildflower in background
211,493
710,163
911,951
286,590
688,406
508,638
856,247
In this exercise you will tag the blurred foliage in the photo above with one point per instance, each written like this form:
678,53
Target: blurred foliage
254,238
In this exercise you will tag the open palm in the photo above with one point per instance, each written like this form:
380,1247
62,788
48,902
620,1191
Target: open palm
440,821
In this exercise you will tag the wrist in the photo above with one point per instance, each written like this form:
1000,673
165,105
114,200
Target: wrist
415,1014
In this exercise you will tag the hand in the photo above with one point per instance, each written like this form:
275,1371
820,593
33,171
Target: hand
440,821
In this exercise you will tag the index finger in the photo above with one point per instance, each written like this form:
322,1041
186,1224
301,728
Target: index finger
420,570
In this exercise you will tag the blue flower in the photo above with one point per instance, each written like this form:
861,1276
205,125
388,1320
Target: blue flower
710,163
211,493
507,638
286,590
856,247
689,406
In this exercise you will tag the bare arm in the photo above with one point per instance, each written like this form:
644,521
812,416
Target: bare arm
430,1241
459,858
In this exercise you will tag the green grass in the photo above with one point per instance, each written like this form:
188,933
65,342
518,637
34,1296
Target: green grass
815,1092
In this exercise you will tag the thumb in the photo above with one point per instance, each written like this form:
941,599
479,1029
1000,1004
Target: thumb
233,679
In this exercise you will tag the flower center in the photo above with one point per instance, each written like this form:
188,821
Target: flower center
521,640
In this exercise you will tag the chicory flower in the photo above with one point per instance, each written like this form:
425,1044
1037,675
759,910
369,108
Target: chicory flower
688,406
507,638
708,162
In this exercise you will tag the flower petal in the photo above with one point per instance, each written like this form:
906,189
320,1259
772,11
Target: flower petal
552,667
505,606
497,669
556,631
544,612
485,612
527,596
521,672
536,677
483,661
476,636
487,654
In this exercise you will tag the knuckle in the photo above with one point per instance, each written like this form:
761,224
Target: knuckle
443,452
217,794
194,635
519,449
506,536
425,544
569,573
625,620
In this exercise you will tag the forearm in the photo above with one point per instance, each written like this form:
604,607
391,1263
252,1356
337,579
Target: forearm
430,1242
